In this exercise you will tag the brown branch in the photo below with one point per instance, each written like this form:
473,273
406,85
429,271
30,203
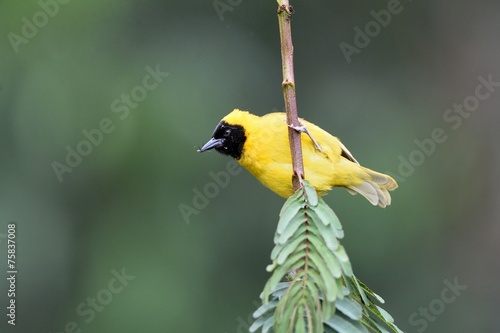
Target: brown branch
285,12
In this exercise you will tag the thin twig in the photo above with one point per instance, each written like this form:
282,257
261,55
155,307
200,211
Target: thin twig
285,12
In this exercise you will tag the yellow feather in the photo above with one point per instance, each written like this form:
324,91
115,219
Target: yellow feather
266,155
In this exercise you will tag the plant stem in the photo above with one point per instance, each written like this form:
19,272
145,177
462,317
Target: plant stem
285,12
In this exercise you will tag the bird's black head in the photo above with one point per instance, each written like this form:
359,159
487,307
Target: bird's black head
227,139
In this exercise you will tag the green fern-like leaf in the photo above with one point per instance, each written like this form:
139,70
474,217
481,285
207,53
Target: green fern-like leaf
307,243
321,293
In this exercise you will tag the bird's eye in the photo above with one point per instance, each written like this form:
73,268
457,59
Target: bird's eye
227,133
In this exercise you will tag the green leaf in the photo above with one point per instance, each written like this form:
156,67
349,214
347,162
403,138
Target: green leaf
278,275
385,314
300,326
286,215
360,290
370,292
280,288
291,228
375,310
287,309
279,293
258,323
343,325
331,291
265,308
308,280
328,216
268,324
328,235
350,308
265,322
316,216
301,235
316,277
311,194
331,262
377,326
344,260
297,196
368,322
296,246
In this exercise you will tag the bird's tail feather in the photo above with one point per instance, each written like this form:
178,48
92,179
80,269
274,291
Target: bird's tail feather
375,188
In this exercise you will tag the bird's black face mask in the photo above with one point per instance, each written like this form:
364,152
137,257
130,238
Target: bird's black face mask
227,139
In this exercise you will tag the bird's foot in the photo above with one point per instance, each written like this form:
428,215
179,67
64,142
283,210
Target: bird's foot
303,129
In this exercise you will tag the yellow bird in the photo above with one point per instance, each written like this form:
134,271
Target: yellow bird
260,144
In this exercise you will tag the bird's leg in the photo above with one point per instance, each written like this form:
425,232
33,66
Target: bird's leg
303,129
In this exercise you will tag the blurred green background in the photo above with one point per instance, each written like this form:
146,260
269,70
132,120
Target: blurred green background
65,68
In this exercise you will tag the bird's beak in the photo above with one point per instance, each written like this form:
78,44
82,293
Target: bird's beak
212,143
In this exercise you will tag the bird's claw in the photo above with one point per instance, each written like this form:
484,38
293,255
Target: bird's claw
303,129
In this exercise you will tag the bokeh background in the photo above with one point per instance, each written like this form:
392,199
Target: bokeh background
119,210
